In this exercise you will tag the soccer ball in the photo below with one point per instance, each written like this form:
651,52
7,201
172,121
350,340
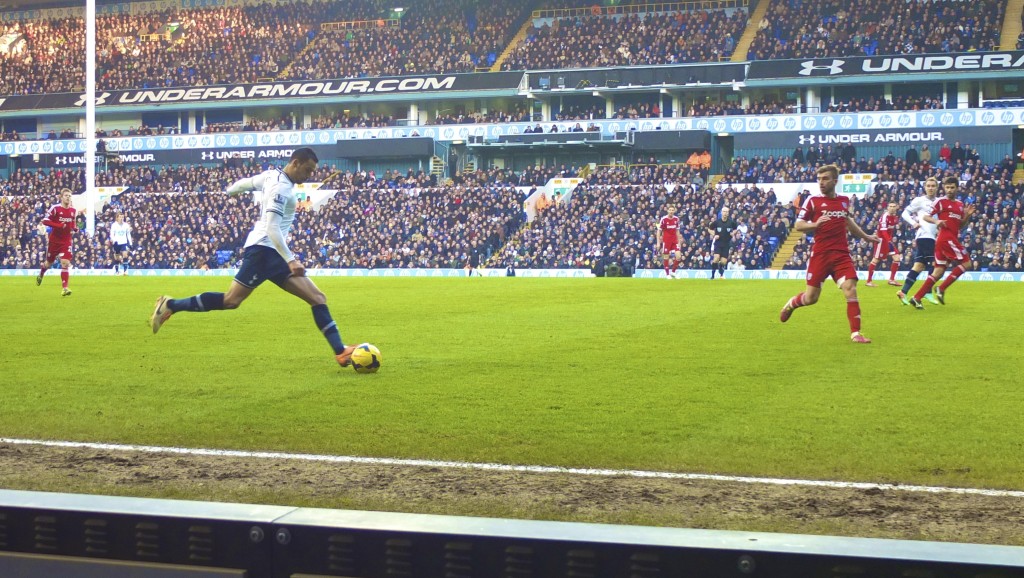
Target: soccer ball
366,358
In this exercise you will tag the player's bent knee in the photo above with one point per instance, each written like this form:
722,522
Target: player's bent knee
232,303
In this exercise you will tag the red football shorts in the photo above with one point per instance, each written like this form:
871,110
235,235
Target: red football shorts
884,249
949,249
835,264
58,252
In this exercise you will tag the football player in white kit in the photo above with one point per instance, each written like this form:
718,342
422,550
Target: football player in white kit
120,242
924,238
267,256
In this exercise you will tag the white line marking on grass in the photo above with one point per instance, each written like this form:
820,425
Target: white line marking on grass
508,468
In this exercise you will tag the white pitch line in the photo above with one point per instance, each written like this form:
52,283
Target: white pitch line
510,468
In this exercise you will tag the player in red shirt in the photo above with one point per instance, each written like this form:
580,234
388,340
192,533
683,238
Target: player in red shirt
61,220
948,215
828,217
886,248
668,240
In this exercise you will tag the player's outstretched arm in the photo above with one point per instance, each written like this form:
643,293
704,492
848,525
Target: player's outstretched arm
807,226
247,184
855,229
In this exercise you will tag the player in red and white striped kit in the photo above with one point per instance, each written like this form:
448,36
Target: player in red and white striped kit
886,248
61,220
949,215
668,241
827,216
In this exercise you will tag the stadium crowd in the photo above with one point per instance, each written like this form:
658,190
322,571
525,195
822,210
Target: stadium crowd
435,36
822,28
395,219
652,38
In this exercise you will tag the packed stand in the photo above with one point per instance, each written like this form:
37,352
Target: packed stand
612,217
835,28
37,61
633,40
434,36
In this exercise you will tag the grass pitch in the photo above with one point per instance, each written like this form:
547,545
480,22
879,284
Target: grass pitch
688,376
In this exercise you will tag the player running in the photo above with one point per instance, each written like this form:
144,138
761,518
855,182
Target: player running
886,248
61,220
828,217
668,240
267,256
948,215
924,241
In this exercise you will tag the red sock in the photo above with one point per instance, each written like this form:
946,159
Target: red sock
797,301
893,269
675,265
43,270
64,278
953,276
665,261
853,314
871,272
928,284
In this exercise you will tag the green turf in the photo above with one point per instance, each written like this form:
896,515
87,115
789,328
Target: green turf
688,376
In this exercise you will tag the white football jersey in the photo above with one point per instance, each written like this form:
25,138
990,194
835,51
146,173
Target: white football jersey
120,233
918,208
276,194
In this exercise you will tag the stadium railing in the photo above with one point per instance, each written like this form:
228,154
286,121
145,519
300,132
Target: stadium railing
52,534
